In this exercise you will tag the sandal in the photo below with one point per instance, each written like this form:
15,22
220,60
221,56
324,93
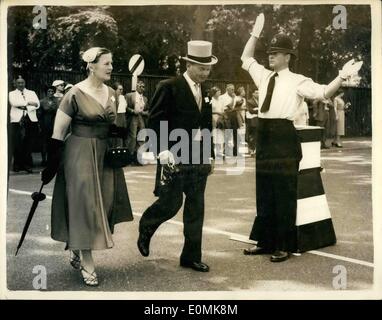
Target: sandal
90,279
75,260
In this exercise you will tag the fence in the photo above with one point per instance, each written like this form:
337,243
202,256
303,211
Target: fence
358,118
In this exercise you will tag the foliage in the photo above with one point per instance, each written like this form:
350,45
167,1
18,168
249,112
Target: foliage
160,34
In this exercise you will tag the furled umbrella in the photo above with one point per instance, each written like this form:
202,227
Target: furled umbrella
37,197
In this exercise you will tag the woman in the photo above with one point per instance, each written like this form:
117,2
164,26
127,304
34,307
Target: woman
121,113
340,106
89,197
218,121
47,113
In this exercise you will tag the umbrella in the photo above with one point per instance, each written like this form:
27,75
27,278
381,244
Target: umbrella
37,197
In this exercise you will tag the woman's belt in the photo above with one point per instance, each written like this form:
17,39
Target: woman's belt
100,131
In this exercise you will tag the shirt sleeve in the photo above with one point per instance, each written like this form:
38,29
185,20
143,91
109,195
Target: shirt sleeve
256,70
307,88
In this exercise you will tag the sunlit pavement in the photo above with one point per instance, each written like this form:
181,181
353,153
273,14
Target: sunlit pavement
230,210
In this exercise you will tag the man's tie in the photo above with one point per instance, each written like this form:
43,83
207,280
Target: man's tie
268,97
198,96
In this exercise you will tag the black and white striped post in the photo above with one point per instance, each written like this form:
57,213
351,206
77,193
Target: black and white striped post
313,222
136,66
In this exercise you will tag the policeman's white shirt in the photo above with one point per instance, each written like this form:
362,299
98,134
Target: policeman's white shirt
289,91
19,99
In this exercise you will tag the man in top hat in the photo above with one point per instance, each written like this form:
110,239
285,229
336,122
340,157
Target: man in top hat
281,93
182,103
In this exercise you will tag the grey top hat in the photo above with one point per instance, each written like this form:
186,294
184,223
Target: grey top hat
281,43
200,52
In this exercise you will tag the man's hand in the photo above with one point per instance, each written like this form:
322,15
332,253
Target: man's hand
166,157
350,68
258,27
31,103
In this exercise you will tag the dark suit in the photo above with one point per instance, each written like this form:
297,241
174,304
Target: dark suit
321,117
174,102
251,123
135,122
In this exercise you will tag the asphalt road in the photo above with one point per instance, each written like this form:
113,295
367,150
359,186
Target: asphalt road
230,210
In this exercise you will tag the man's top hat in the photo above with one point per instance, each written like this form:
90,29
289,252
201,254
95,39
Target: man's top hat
200,52
281,43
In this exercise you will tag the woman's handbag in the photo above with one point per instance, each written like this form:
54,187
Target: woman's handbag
117,157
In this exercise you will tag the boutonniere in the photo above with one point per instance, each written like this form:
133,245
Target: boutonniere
112,99
207,100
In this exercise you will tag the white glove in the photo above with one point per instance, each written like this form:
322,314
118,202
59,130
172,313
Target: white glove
166,157
258,27
349,69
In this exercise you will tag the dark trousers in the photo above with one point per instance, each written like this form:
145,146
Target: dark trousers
136,123
324,123
22,142
277,157
250,133
168,204
228,134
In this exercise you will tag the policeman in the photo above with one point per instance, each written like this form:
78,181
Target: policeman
281,93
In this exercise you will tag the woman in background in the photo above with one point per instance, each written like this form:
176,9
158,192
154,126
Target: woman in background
340,107
121,113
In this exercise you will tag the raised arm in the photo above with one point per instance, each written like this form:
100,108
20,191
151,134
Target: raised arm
249,48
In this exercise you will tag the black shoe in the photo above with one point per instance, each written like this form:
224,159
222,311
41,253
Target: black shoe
255,251
197,266
144,244
279,256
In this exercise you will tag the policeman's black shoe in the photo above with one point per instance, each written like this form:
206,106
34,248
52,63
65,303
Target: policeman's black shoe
144,244
279,256
255,251
197,266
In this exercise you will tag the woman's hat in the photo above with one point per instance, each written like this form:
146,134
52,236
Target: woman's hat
200,52
57,83
281,43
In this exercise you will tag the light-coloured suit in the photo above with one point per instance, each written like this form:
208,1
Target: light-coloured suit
24,126
18,99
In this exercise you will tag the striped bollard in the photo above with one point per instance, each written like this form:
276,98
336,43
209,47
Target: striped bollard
313,221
